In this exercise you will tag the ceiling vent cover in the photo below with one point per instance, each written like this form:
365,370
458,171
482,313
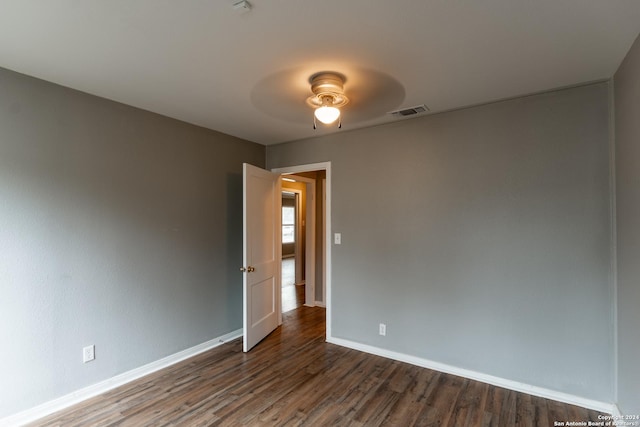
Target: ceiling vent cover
418,109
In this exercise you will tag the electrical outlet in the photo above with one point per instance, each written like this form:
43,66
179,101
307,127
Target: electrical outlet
88,353
383,329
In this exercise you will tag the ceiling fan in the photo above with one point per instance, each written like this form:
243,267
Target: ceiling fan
363,94
328,96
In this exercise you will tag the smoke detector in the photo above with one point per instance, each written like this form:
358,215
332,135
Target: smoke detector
242,6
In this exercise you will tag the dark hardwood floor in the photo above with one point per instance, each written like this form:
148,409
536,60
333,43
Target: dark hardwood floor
294,378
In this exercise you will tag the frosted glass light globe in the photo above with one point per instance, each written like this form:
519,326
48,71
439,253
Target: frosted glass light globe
326,114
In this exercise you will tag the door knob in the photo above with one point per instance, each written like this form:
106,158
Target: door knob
242,269
251,269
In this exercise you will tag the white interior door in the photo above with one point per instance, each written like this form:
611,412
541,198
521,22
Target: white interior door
262,205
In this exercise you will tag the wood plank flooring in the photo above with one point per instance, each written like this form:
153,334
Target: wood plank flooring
294,378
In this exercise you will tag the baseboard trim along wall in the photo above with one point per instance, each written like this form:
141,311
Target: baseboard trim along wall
78,396
608,408
616,411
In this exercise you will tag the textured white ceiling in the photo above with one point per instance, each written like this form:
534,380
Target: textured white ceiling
247,74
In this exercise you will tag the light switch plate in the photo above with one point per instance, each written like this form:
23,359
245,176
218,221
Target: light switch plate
337,238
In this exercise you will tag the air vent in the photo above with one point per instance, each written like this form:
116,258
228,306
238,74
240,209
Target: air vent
418,109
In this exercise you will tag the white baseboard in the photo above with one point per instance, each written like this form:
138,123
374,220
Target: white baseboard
316,304
616,411
78,396
608,408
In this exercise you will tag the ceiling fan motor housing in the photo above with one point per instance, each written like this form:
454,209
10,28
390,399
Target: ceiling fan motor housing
327,86
327,83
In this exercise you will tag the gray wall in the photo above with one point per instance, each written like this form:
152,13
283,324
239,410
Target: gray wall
627,113
118,228
481,237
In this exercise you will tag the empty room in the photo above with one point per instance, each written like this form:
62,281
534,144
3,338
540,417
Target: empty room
353,213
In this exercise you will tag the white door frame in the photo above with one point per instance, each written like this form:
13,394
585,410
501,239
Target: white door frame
324,247
326,166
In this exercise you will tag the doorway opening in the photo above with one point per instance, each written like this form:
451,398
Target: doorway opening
312,249
261,254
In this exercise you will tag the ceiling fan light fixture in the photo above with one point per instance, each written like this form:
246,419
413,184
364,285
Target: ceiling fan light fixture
328,96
